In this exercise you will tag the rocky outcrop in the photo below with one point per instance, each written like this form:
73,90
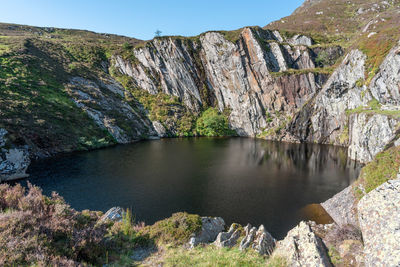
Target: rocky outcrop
385,85
228,239
104,103
14,161
342,207
369,134
379,217
258,239
301,247
210,229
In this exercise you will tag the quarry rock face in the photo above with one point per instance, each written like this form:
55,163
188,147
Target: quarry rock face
232,74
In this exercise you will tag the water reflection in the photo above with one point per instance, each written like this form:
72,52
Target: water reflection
242,180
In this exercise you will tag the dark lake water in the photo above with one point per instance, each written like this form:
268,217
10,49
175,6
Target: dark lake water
240,179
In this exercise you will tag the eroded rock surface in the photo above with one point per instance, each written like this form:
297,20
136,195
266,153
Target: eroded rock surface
342,208
210,229
258,239
379,217
301,247
369,134
227,239
385,85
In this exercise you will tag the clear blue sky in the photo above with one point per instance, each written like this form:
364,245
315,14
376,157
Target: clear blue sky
141,18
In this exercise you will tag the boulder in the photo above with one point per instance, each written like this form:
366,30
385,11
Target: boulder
379,218
210,229
342,208
115,214
13,163
301,247
260,240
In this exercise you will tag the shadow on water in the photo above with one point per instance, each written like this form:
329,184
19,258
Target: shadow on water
240,179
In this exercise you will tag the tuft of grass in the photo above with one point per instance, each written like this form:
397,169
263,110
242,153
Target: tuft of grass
374,107
326,71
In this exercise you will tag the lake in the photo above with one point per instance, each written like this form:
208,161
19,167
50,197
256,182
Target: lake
242,180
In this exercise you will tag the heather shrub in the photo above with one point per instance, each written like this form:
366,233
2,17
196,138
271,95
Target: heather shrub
35,229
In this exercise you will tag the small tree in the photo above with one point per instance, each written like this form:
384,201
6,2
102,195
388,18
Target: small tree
157,33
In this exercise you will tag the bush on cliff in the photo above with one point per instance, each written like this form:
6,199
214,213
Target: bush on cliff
213,123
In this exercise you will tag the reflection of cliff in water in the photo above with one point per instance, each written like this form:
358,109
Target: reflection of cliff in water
310,158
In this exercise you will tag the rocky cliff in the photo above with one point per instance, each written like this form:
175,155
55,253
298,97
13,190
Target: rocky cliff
245,75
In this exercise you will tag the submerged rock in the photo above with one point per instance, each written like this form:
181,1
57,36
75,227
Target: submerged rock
301,247
379,217
210,229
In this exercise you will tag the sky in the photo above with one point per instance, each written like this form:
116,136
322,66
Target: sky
141,18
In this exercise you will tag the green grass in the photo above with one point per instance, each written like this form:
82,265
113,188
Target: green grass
384,167
326,71
175,230
374,107
211,256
